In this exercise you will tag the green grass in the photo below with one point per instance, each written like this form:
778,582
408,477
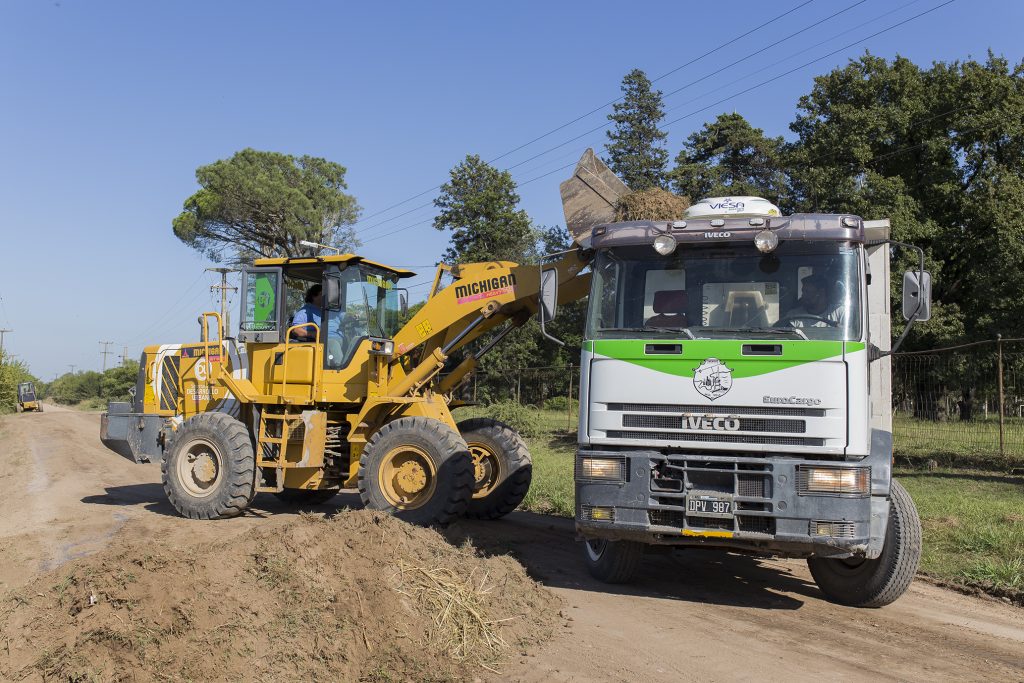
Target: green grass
973,521
973,525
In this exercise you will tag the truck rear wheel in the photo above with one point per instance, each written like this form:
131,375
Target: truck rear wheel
859,582
417,469
612,561
210,470
502,467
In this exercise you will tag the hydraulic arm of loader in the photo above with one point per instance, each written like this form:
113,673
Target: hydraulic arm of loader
483,297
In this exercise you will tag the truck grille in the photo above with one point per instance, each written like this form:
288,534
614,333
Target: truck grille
718,438
749,484
746,424
716,410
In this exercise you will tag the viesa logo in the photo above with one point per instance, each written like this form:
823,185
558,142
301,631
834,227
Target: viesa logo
728,204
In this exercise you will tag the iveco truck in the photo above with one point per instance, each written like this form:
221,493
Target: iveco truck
735,389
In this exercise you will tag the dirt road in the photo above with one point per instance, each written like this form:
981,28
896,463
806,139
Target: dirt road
699,615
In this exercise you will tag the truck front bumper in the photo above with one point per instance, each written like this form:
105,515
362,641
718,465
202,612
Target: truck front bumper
771,509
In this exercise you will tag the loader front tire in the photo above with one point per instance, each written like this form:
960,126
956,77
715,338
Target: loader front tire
210,470
417,469
502,467
860,582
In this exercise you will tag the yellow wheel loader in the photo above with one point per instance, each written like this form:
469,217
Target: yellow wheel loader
348,399
27,401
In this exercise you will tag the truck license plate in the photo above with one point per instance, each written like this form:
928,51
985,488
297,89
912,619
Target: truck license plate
708,505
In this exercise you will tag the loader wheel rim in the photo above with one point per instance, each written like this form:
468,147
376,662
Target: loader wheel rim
486,469
199,468
407,477
595,548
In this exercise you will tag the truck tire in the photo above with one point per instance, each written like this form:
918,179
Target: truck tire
859,582
502,467
612,561
306,497
209,472
417,469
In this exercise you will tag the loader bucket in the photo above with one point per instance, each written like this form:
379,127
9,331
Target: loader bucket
589,197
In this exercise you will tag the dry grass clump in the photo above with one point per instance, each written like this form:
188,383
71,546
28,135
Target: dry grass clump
459,607
653,204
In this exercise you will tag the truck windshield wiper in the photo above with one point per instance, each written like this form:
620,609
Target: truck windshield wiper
760,330
676,330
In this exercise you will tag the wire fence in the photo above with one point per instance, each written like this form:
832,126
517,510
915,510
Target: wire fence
965,401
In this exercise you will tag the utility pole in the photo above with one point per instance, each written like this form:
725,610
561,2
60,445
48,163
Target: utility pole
72,366
223,287
106,352
124,356
2,333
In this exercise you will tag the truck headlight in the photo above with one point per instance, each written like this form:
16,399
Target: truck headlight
844,481
601,469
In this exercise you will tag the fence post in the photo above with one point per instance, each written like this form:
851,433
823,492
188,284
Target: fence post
519,386
568,405
1002,411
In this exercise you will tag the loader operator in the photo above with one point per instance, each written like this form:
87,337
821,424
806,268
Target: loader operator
312,312
814,309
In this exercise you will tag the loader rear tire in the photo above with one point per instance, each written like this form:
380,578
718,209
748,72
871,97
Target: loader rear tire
209,471
417,469
502,467
876,583
306,497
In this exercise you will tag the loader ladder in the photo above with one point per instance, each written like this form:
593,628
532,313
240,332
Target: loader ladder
279,425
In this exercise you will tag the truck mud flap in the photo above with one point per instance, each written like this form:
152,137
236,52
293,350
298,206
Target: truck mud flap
132,435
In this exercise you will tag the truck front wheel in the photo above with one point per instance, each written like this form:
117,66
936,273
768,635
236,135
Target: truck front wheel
612,561
859,582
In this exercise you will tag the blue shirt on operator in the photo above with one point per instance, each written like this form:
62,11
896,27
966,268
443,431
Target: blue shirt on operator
312,313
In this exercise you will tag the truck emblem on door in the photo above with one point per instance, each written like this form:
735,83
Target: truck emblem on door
712,379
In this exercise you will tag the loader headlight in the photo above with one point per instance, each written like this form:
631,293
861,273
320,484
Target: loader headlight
766,241
843,481
382,347
664,244
601,469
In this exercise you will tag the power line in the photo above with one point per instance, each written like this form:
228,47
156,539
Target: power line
592,111
172,307
696,111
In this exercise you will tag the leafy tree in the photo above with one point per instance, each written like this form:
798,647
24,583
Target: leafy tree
730,157
479,206
263,203
635,148
116,381
74,388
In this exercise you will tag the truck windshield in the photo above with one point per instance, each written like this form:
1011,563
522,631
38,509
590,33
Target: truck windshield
800,291
370,306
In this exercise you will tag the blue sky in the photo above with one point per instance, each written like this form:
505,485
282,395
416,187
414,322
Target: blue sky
108,108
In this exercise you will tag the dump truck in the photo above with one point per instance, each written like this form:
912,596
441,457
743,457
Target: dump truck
354,399
27,401
735,389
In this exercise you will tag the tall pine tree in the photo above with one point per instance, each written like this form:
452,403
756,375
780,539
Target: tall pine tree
636,148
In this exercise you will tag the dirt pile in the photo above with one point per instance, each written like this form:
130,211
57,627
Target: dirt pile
361,596
653,204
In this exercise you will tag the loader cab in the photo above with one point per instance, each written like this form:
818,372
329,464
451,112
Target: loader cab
361,301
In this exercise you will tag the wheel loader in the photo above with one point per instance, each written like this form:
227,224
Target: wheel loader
357,401
27,401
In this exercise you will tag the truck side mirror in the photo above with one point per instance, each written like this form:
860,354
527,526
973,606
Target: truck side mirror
548,294
917,296
332,294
